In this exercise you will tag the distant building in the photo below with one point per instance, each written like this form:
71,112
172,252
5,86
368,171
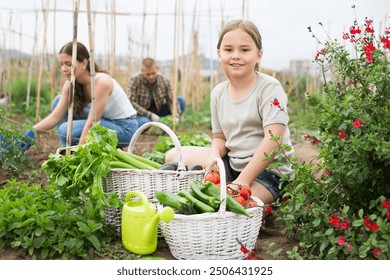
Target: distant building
301,67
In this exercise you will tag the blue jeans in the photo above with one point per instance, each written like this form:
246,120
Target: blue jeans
124,128
164,111
269,180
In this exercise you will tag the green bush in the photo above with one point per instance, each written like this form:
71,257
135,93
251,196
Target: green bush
339,208
19,91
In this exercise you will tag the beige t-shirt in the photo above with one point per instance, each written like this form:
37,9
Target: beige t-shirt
242,121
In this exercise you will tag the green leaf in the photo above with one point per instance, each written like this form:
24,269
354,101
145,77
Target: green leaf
316,222
95,242
323,246
329,231
38,232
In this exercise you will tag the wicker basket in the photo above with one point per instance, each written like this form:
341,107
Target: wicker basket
213,235
121,181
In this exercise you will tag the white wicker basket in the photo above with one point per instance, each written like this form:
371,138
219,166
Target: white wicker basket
213,235
121,181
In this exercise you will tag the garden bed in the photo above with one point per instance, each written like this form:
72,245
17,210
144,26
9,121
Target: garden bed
271,232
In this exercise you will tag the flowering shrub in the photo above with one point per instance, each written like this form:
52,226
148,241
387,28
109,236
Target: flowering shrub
354,122
339,208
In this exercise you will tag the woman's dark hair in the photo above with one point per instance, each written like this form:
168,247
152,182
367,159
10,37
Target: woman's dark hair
82,53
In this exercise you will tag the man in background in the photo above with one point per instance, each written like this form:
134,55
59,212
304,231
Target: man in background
151,94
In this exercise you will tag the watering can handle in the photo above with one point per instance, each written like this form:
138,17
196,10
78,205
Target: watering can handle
138,194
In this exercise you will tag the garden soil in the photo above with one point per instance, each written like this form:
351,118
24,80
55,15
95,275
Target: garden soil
271,231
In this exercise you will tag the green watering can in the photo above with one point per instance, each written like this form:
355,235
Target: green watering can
139,223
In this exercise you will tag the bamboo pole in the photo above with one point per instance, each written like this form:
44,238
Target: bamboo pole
72,77
143,31
113,38
21,50
189,69
30,68
155,31
195,72
175,66
181,33
91,61
9,63
41,62
53,61
211,52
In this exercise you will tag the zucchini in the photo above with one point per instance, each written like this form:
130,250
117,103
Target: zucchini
209,200
231,204
180,204
200,206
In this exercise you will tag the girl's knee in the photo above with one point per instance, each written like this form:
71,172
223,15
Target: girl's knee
171,156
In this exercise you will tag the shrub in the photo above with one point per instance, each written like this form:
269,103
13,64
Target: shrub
19,91
337,208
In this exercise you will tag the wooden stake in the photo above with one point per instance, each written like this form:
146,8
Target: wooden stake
91,61
187,83
175,67
182,70
113,38
30,68
41,62
155,31
54,59
72,77
143,31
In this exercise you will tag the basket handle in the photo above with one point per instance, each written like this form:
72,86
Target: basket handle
223,187
180,166
59,150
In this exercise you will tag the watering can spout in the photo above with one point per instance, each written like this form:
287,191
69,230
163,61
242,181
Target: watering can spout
166,215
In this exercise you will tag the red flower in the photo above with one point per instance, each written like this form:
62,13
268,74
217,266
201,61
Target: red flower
369,58
369,28
351,82
342,135
244,250
349,246
386,204
327,172
388,215
334,220
352,30
369,47
275,102
345,36
345,225
376,252
307,137
268,209
341,240
386,42
357,123
315,140
372,226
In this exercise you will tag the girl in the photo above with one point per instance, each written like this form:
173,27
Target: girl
113,108
246,110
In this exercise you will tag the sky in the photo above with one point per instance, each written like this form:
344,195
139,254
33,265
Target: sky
282,24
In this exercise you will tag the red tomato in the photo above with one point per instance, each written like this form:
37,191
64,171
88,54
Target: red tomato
252,203
230,191
241,200
244,191
213,177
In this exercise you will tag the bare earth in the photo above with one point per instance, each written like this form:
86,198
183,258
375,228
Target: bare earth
271,231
